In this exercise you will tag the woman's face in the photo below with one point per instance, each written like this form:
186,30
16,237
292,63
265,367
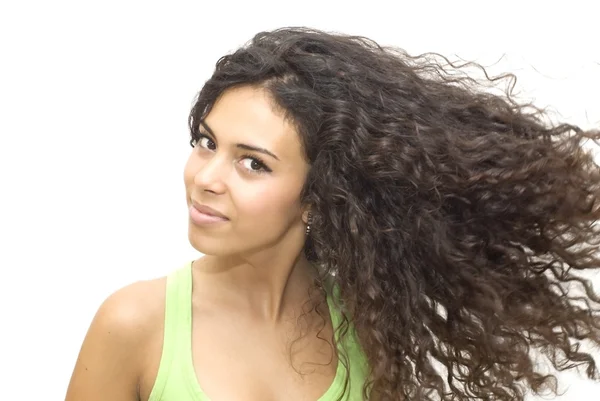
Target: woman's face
257,191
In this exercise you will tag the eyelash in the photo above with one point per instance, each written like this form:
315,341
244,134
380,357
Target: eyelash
263,167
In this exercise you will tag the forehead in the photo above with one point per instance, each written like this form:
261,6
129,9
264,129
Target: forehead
247,115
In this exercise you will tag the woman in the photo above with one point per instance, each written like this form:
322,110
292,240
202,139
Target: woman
375,227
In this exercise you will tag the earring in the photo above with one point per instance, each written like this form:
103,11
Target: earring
309,223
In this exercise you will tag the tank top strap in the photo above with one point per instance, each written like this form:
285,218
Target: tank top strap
178,309
177,342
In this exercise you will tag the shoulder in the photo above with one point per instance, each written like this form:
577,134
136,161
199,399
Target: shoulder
110,361
133,310
131,313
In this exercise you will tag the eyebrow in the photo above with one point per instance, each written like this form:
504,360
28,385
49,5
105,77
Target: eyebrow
240,145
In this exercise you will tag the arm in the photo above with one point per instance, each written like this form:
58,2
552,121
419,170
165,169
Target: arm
108,367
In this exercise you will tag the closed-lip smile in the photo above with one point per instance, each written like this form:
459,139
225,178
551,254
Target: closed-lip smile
208,210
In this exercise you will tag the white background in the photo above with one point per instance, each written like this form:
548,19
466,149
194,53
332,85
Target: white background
94,98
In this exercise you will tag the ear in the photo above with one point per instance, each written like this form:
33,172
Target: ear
305,213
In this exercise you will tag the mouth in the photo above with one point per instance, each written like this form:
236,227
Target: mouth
202,214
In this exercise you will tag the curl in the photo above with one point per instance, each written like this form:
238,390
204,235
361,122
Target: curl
455,221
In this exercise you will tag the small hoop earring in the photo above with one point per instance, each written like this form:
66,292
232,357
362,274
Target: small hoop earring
309,223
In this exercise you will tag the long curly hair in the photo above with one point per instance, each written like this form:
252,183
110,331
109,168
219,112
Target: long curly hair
455,221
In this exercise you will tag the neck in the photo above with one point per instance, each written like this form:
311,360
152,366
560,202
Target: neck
269,284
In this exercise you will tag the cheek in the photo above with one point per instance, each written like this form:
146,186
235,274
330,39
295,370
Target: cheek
276,204
189,171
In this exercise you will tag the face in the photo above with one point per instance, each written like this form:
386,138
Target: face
247,165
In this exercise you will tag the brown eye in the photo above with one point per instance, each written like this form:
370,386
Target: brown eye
206,142
254,164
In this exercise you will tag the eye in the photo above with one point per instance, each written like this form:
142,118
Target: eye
254,165
204,142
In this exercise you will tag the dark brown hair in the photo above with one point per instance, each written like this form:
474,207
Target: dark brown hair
456,221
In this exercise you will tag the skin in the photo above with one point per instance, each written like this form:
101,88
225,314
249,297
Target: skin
249,289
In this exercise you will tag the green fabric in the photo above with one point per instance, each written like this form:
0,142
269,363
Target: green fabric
176,379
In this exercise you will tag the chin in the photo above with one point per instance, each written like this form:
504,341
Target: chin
207,244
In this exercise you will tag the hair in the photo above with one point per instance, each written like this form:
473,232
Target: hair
455,221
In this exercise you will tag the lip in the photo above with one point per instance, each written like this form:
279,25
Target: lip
202,215
208,210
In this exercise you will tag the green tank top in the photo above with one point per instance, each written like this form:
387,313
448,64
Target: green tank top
176,378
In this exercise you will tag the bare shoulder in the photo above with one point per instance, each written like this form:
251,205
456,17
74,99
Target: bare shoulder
112,356
131,313
135,308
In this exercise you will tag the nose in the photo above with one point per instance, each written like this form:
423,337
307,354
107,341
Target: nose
211,175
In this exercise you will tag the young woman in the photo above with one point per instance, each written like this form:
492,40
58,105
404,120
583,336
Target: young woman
374,226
